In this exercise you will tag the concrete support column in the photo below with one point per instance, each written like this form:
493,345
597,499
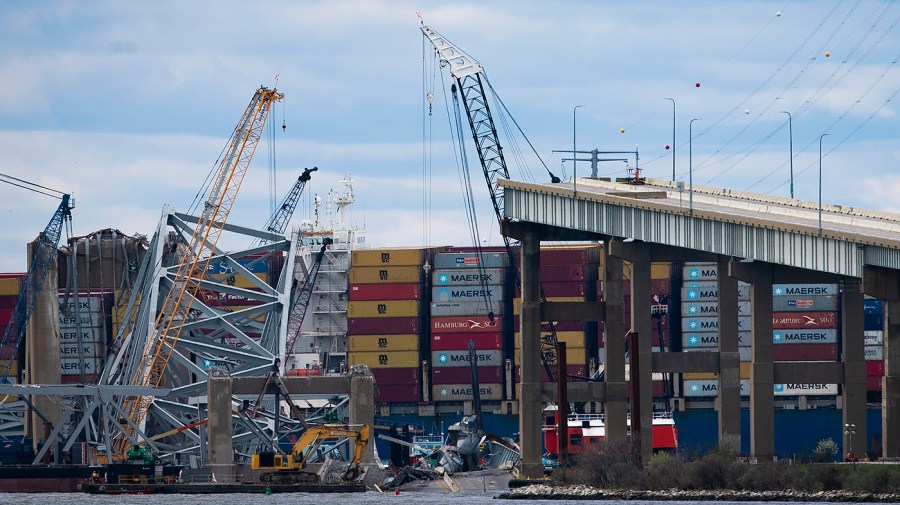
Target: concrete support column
890,385
614,348
42,348
220,450
762,375
530,403
641,324
362,406
729,401
853,357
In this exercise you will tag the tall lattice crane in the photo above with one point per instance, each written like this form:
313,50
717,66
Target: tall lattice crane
279,220
176,307
468,74
42,258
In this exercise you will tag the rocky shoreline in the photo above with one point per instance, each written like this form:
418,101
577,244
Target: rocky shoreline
545,492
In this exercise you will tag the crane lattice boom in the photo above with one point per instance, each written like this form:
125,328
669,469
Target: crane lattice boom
193,267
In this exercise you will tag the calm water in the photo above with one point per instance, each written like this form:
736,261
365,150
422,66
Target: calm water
368,498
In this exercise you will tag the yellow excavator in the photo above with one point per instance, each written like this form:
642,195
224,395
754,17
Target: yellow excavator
316,445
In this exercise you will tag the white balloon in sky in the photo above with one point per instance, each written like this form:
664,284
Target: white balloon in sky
746,111
778,13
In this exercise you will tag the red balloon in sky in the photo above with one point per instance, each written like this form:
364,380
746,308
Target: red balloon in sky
697,85
667,147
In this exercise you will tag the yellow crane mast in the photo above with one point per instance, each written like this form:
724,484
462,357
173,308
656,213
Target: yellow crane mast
175,308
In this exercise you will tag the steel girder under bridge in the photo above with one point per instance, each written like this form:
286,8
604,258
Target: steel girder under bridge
755,238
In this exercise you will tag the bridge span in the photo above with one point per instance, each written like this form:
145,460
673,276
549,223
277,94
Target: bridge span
758,239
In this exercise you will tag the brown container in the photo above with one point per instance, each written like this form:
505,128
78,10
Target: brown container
456,375
387,257
382,325
805,352
574,355
380,343
386,275
393,376
9,285
373,292
460,341
384,308
804,320
399,393
571,338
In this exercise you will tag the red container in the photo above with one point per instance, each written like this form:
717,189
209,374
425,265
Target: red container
565,273
213,299
462,375
803,320
399,393
659,286
76,379
873,383
5,315
581,256
382,325
8,301
577,370
875,368
460,341
563,288
374,292
805,352
465,324
394,376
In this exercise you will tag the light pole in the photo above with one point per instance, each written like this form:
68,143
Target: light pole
574,163
850,430
791,136
673,137
820,181
691,164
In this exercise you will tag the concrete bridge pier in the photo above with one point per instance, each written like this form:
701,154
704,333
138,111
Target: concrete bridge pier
728,403
762,371
220,448
641,330
614,347
530,402
853,358
890,385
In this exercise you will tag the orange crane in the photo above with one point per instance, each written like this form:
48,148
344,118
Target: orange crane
176,307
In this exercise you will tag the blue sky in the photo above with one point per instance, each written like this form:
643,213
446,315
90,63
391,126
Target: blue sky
127,104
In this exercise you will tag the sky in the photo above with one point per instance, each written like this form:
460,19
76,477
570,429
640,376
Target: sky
127,105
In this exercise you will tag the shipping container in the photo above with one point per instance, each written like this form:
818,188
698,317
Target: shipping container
517,302
73,366
386,275
387,256
804,320
76,379
873,383
482,294
462,375
711,324
571,338
571,289
385,308
743,351
382,325
226,301
804,336
445,309
804,289
373,343
805,389
874,322
76,350
570,254
806,352
386,359
465,324
874,337
745,373
470,260
711,339
573,372
874,368
463,392
704,272
873,306
460,341
375,292
398,393
87,335
574,355
10,285
874,352
459,358
391,376
8,301
701,309
470,277
660,271
800,303
558,325
709,388
567,273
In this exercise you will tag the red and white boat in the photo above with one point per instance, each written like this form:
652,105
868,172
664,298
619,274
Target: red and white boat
588,429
